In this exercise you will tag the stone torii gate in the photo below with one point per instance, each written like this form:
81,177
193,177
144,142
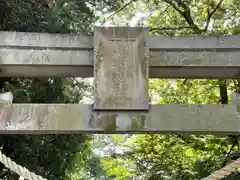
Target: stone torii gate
121,60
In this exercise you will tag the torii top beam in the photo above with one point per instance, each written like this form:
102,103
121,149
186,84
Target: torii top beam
43,54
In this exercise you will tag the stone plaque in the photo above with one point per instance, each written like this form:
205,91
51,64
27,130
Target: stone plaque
121,69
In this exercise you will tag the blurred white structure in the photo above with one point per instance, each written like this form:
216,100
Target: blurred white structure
111,151
123,121
236,100
6,97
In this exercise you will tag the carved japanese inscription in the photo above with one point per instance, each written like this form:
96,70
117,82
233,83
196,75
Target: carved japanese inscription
121,68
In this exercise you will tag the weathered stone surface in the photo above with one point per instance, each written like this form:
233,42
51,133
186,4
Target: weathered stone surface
85,58
80,41
44,40
195,59
170,57
195,42
44,57
78,118
58,63
121,69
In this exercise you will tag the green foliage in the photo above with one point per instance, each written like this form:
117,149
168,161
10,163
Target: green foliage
181,156
151,156
52,156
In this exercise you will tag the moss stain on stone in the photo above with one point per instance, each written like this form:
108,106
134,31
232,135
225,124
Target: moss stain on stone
116,101
66,118
138,122
104,121
144,58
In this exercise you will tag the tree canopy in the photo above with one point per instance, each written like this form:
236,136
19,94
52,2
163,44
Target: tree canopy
141,156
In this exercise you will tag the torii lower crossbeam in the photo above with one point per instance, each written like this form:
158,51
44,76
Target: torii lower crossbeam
80,118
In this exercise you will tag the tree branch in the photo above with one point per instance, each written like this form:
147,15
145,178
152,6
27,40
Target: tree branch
186,14
223,91
54,6
211,14
170,2
169,28
119,10
165,10
3,11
